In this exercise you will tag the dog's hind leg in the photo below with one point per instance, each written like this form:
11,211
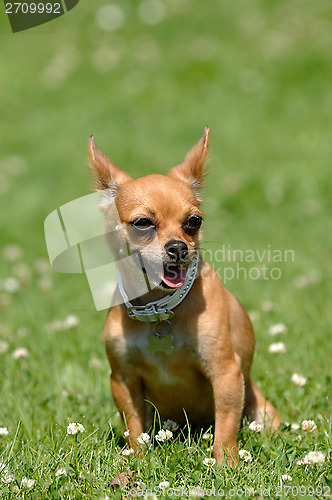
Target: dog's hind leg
257,407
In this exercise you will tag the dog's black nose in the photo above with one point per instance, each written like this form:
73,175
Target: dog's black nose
177,250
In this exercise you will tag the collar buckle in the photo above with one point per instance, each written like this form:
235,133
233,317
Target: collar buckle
153,313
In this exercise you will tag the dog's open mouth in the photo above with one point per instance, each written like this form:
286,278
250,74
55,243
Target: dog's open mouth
174,276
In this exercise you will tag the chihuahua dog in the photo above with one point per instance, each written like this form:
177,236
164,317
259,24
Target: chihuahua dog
186,344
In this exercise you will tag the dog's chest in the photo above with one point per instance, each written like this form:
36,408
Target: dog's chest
161,358
145,339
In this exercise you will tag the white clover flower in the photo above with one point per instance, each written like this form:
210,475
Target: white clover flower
163,485
71,321
75,428
118,462
4,346
255,426
42,265
298,380
11,285
268,306
143,438
126,433
254,315
4,431
151,12
286,477
58,325
8,478
45,284
315,458
110,17
306,280
164,435
23,272
61,472
110,56
196,492
295,427
150,496
308,425
12,252
23,331
209,462
302,461
3,468
170,425
20,353
207,435
245,455
27,484
60,67
277,348
95,363
127,453
277,328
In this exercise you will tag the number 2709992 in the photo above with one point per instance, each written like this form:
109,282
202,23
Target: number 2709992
33,8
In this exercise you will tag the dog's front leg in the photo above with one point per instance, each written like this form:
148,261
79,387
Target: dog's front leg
228,389
129,399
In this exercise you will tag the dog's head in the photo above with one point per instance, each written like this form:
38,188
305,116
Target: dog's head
158,216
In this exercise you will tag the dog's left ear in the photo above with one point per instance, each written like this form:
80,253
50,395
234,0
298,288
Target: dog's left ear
192,169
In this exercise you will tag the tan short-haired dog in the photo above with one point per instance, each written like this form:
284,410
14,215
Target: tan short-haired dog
187,344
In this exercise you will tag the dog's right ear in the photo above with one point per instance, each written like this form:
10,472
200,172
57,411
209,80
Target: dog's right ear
107,175
192,169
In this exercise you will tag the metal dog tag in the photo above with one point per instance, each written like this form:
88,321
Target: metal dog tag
160,344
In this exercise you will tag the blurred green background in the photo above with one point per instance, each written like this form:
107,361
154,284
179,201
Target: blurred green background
145,78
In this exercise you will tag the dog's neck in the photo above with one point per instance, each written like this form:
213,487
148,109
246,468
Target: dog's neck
151,296
158,305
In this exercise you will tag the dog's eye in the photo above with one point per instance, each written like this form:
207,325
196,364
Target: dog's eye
192,224
143,224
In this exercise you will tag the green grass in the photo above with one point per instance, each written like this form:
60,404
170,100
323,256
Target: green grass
259,74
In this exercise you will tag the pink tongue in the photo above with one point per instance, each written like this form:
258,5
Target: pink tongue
174,276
